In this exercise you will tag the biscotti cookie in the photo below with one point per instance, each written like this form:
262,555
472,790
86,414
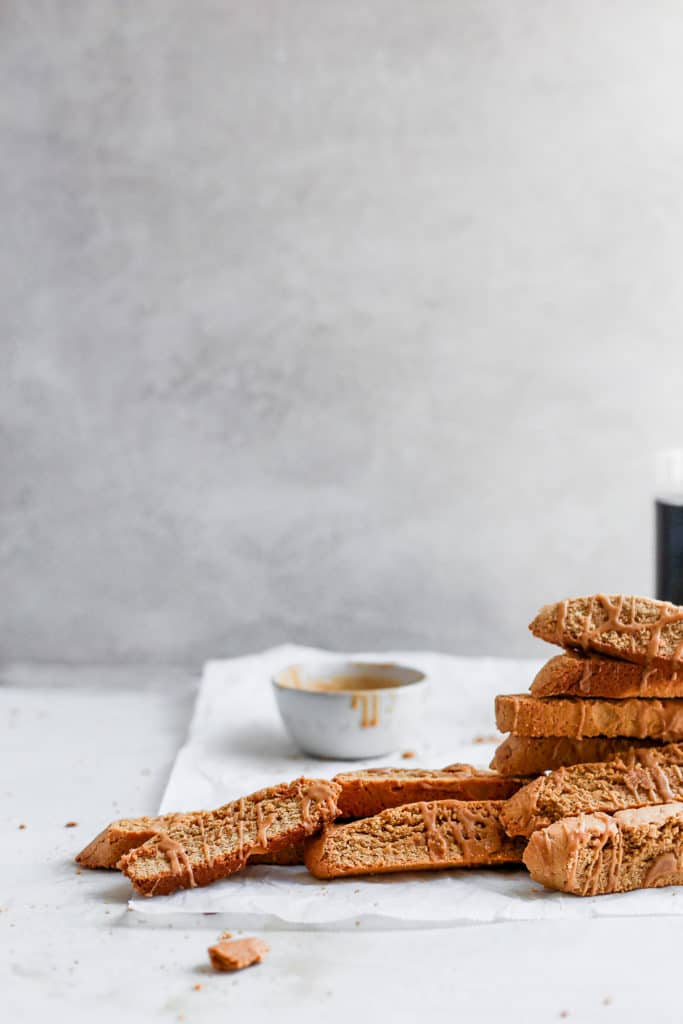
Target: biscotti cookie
215,844
577,675
118,838
643,776
368,792
533,755
650,717
594,854
415,837
632,628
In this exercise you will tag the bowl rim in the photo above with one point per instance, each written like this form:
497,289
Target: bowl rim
338,665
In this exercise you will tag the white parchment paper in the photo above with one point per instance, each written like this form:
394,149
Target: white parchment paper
237,744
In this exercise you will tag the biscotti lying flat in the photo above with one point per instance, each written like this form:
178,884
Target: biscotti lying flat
576,675
203,848
368,792
599,853
650,717
415,837
362,794
530,755
636,629
118,838
645,776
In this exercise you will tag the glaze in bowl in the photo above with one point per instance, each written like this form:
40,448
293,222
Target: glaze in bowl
351,709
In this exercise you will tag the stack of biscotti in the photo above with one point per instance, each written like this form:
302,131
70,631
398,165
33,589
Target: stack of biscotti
411,818
605,827
618,683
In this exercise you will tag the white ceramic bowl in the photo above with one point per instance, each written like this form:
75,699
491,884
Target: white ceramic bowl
378,710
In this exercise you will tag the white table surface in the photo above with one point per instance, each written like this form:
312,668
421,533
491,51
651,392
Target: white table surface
91,744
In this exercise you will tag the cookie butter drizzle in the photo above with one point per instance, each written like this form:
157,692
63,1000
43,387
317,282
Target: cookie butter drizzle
369,705
584,681
591,633
434,837
582,719
659,778
607,839
467,832
263,823
317,796
664,866
175,855
561,620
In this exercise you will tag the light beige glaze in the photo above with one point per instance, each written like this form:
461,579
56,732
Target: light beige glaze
263,823
319,791
369,705
176,855
338,684
669,614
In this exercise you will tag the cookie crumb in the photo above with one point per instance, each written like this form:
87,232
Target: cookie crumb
235,955
226,935
71,824
408,753
78,871
487,739
22,826
196,987
564,1013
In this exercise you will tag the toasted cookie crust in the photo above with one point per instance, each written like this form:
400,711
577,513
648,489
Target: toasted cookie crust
365,793
532,755
645,717
576,675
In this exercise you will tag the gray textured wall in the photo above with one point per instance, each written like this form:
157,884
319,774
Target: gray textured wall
355,323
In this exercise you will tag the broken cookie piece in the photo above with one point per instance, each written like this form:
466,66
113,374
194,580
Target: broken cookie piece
234,954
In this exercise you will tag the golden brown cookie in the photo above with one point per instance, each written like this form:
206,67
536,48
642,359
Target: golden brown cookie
368,792
594,854
646,717
214,844
415,837
637,629
645,776
577,675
